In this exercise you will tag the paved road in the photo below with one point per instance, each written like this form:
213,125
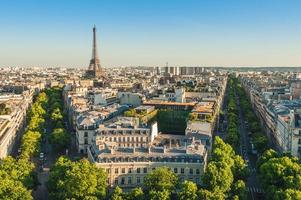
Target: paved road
51,156
43,166
253,185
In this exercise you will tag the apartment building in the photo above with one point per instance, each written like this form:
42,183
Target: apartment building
128,166
276,101
13,123
88,123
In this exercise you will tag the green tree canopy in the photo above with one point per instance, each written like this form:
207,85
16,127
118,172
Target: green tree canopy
223,170
239,189
204,194
188,190
77,180
136,194
56,115
117,194
59,139
13,190
161,179
279,173
159,195
218,176
130,113
19,170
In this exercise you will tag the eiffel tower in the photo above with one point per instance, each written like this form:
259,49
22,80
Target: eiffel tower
94,70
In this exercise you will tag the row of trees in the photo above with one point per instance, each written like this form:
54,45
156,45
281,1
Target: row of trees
76,180
225,174
17,176
280,175
258,138
233,131
59,138
83,180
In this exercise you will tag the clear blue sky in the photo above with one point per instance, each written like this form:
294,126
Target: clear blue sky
151,32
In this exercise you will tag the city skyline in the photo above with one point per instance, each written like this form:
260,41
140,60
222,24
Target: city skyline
151,33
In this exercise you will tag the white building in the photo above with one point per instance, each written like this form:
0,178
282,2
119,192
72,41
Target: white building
288,132
13,124
128,166
88,123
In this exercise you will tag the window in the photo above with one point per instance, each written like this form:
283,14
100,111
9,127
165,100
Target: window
86,134
138,180
182,170
123,170
86,140
116,181
299,141
175,170
145,170
130,170
116,170
197,171
138,170
190,171
122,181
129,180
108,171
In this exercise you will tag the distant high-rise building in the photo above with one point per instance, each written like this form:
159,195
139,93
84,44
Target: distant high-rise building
158,70
94,69
166,68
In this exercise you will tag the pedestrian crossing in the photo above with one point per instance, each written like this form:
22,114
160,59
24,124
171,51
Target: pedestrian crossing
255,190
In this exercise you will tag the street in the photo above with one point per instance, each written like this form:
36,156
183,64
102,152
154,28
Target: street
50,157
253,185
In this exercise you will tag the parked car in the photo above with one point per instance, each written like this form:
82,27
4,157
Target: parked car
41,157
